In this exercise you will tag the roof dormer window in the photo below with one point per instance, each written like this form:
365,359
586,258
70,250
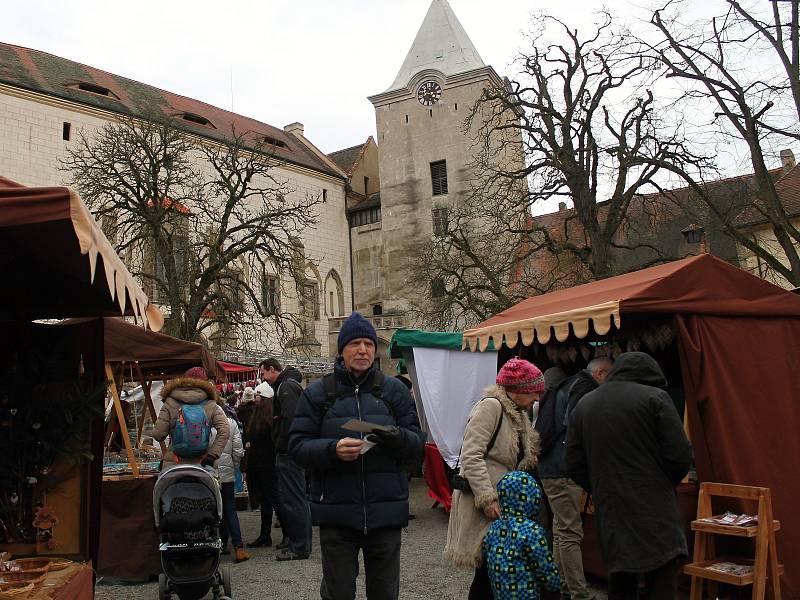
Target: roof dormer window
196,119
271,141
93,88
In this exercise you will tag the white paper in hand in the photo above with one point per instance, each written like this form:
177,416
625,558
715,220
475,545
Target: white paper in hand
364,426
366,447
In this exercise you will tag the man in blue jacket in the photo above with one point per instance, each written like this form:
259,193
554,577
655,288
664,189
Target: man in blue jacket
359,493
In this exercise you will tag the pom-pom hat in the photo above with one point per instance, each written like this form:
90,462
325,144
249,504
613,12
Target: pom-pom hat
197,373
519,375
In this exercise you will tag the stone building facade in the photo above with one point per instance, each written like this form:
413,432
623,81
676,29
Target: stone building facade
46,101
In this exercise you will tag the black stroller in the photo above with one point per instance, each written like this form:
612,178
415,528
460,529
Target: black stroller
188,509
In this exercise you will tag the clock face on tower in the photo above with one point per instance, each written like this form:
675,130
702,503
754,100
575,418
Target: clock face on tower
429,93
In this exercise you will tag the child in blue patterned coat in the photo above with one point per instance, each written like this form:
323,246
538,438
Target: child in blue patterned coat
515,548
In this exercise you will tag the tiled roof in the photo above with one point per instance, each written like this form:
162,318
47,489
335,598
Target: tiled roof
788,190
734,190
55,76
348,158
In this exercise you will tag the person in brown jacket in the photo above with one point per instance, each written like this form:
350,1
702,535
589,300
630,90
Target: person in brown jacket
193,388
498,438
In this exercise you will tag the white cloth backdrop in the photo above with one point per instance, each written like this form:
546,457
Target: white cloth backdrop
450,382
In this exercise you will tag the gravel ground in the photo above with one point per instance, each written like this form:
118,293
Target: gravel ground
424,575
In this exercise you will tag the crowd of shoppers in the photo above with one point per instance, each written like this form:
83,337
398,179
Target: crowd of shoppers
337,455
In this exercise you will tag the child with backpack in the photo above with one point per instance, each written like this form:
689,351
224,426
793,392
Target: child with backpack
515,548
189,412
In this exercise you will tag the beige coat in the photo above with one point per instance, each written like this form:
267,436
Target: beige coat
468,524
185,390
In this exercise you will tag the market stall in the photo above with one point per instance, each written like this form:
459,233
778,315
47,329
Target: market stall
728,343
56,263
447,384
128,540
133,354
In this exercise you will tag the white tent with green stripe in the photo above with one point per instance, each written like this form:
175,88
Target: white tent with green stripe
447,382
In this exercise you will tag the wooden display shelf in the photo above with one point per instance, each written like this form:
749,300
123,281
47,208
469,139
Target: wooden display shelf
734,530
765,564
701,569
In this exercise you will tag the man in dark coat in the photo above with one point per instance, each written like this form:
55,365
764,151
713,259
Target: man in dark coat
626,446
562,493
295,513
359,493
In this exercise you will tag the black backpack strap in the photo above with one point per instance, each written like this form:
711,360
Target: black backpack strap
496,431
329,383
492,440
377,382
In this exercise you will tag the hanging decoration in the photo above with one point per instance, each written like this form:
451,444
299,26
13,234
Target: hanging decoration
650,339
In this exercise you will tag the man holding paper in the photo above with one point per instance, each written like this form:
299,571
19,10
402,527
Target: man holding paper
353,430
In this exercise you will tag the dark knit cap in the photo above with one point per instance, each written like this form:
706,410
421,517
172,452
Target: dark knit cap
355,326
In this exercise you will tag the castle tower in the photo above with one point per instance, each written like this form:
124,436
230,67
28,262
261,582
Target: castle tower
425,156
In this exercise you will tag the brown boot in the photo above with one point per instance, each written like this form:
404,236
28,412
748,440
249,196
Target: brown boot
241,555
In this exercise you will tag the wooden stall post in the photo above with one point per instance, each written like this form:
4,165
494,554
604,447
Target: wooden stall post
121,419
150,406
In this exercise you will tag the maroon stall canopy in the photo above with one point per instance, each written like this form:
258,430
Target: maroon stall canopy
58,263
159,355
738,341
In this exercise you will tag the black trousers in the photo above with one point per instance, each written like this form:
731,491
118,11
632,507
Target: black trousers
340,546
659,584
263,484
481,588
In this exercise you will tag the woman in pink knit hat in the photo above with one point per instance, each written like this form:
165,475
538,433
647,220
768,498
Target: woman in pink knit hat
498,439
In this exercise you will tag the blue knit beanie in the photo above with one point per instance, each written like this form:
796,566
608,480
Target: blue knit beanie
355,326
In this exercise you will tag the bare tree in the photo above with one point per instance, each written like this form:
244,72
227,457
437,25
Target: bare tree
585,137
744,66
201,223
485,258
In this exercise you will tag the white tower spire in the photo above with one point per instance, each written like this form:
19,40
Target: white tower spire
441,44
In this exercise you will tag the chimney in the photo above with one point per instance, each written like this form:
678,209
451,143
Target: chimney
562,206
297,128
787,160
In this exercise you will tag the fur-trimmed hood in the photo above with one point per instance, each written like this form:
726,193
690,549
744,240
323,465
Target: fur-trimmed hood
518,417
190,391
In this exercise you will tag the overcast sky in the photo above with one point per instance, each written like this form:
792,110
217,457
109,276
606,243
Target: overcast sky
279,61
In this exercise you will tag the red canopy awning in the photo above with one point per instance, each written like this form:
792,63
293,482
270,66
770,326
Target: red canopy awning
230,367
51,251
698,285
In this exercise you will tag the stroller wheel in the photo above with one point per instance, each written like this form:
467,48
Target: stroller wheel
226,580
163,588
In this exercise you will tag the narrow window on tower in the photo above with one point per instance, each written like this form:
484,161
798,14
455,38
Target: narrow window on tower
439,177
431,111
456,106
406,118
65,131
437,288
324,195
440,222
366,186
